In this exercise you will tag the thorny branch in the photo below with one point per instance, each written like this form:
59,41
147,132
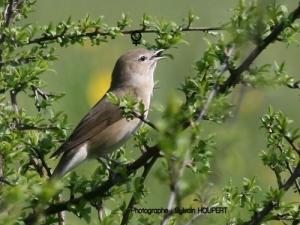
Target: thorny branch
290,169
258,217
7,16
133,200
142,118
49,39
244,66
287,163
2,178
22,60
44,165
291,142
152,153
199,117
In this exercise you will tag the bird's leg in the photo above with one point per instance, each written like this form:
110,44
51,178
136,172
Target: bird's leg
104,164
113,166
113,162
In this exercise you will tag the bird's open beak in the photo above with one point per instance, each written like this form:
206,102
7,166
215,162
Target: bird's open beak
158,55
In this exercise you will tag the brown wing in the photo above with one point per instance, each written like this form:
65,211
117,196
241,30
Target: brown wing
98,118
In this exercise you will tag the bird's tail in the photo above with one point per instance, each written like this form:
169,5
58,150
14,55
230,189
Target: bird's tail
69,160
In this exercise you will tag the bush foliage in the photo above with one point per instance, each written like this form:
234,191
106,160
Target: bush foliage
177,140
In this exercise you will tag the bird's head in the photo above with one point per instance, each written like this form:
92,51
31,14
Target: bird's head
136,68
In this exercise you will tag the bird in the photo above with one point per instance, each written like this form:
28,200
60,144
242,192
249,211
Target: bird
103,129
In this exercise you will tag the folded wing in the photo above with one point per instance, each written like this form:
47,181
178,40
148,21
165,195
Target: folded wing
103,114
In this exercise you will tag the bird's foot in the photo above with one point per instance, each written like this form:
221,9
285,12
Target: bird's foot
113,166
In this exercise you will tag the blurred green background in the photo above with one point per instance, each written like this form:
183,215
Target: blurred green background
83,73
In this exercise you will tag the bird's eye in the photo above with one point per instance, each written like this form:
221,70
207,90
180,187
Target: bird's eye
142,58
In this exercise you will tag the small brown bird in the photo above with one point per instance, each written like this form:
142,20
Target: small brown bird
103,129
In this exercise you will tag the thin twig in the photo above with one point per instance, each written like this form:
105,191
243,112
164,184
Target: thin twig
290,169
38,128
13,99
291,172
43,162
291,142
278,177
8,13
1,168
174,189
23,60
199,118
142,118
258,217
45,171
296,216
61,214
38,92
101,214
47,39
133,200
3,180
37,165
237,73
194,218
7,17
100,191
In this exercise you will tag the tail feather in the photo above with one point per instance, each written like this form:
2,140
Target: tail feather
59,151
69,160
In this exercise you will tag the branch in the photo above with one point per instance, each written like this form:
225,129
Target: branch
8,13
133,199
258,217
100,191
43,162
15,108
174,188
24,60
199,117
2,178
7,16
291,142
194,218
291,172
37,92
32,127
142,118
60,215
290,169
10,9
237,73
47,39
13,99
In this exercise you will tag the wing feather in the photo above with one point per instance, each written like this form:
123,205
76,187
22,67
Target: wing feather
103,114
